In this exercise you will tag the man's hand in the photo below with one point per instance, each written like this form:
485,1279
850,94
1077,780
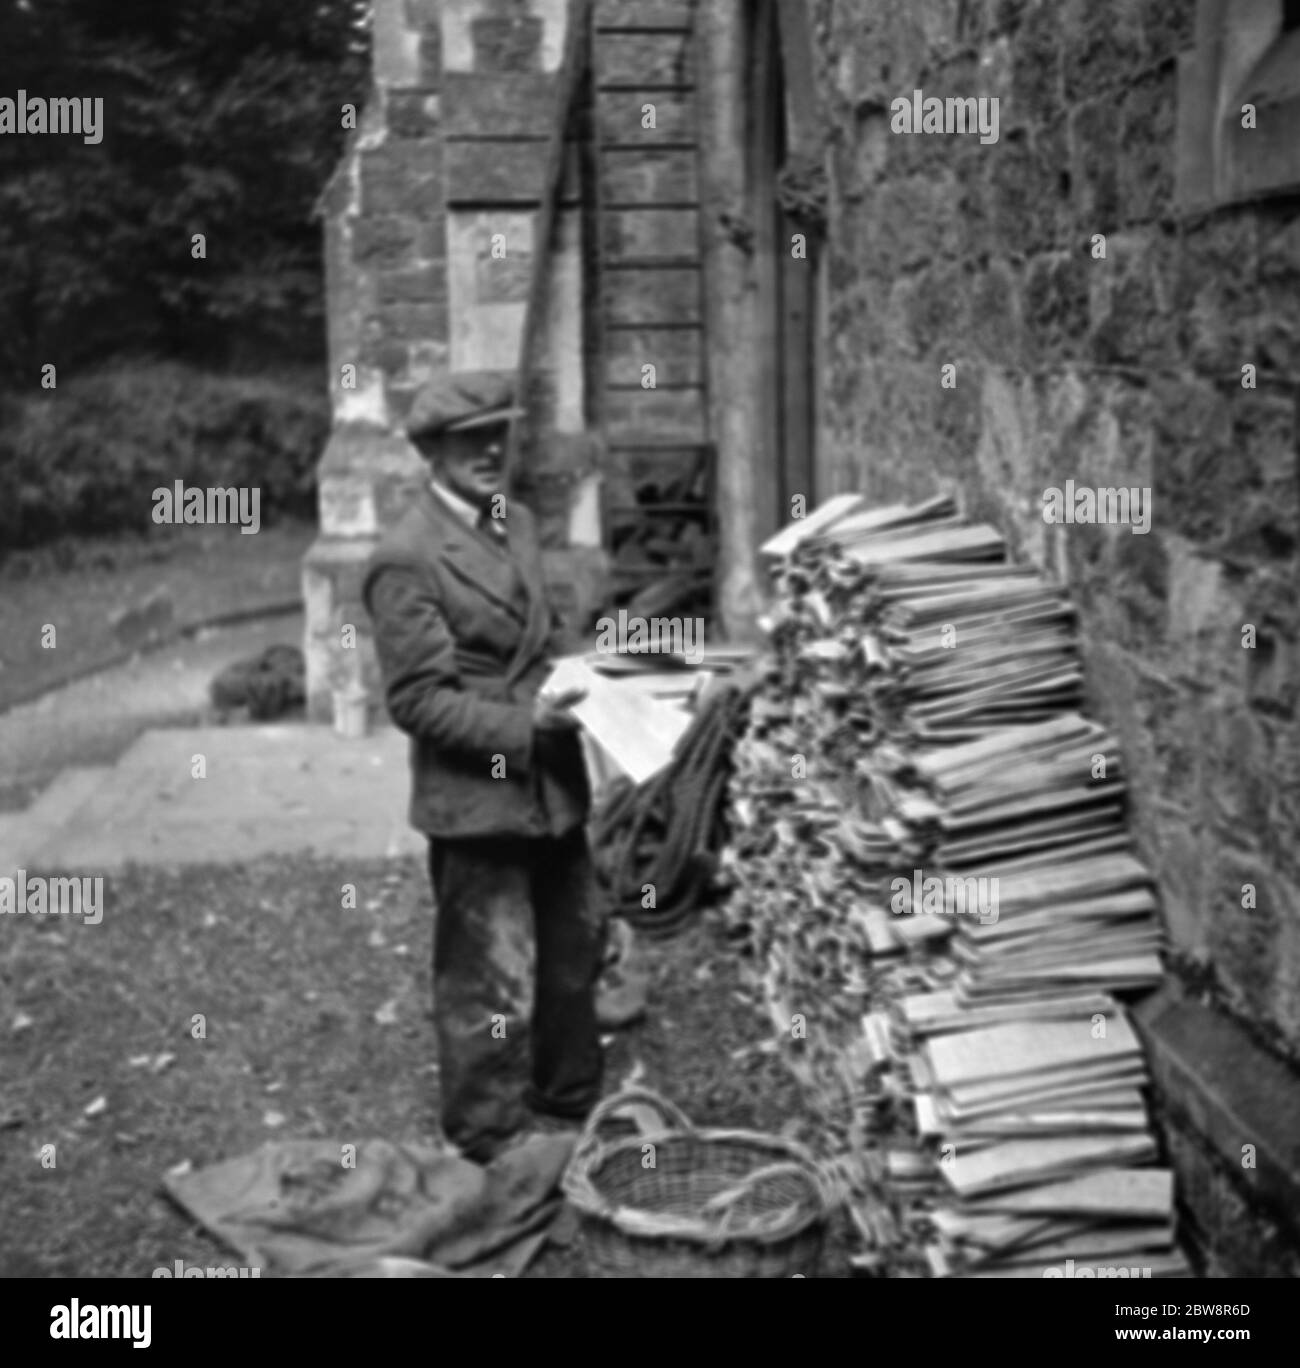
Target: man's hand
551,711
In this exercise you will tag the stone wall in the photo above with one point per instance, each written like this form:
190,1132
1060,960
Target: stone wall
1117,370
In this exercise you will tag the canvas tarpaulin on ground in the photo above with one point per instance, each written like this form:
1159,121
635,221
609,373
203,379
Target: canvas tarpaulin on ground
321,1208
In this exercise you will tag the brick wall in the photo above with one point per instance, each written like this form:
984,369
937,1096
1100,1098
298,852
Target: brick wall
1125,370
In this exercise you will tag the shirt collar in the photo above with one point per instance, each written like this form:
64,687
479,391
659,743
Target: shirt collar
465,511
461,507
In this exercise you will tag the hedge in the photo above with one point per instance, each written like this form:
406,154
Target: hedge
87,456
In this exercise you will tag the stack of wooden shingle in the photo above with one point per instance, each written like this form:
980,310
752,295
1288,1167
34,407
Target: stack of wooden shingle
1040,1123
1029,1147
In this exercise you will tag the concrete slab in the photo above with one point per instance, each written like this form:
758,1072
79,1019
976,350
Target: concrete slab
22,832
70,789
292,788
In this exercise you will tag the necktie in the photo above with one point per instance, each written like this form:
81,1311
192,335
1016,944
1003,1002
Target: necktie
493,528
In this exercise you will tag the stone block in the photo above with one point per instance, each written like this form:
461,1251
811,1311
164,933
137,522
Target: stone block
643,177
402,176
504,280
332,572
644,14
1019,209
1242,943
655,415
425,284
1056,301
505,42
1093,133
1216,291
431,236
425,361
414,113
1037,88
1261,522
1130,301
357,396
622,115
908,223
1271,683
1146,170
373,471
997,328
1192,430
505,173
346,294
887,47
1277,331
1101,44
385,241
430,59
1166,27
957,417
1007,454
1049,184
346,505
675,354
938,312
1178,858
405,321
423,15
395,46
1137,569
651,234
479,105
380,352
641,60
1202,607
652,296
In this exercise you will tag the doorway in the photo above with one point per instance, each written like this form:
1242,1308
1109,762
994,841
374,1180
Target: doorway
786,254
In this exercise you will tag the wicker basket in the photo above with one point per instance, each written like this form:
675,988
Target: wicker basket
715,1204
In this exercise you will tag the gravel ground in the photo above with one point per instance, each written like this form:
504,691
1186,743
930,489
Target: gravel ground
316,1024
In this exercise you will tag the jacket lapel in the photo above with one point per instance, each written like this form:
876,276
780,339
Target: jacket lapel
537,630
476,563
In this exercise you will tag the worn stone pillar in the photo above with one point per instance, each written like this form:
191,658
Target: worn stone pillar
386,285
429,254
730,307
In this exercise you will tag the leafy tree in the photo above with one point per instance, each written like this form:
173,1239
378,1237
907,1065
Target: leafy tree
219,118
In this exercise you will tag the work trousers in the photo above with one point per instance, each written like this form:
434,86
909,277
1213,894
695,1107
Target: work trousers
516,956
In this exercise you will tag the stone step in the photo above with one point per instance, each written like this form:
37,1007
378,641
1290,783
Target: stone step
70,789
23,834
268,790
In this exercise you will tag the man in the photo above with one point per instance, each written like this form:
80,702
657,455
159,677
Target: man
463,636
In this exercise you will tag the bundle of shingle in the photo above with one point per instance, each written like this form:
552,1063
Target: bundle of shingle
1004,908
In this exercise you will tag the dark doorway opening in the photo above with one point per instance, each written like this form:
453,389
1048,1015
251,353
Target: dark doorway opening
785,261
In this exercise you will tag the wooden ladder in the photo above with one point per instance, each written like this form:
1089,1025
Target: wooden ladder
648,305
645,304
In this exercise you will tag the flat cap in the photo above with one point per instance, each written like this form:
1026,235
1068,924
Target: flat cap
467,399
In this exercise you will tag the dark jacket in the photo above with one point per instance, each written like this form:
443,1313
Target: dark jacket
464,636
